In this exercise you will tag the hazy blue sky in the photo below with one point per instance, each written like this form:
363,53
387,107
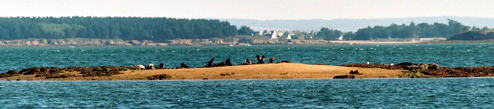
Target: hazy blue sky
250,9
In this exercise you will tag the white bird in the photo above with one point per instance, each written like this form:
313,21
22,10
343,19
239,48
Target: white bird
140,66
368,63
391,64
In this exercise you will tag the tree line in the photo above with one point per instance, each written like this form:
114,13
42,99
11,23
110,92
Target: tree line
126,28
421,30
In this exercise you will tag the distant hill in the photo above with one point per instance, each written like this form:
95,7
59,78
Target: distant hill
474,35
353,24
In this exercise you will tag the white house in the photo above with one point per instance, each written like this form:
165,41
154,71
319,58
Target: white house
274,35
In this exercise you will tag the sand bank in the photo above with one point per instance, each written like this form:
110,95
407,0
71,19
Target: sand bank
259,71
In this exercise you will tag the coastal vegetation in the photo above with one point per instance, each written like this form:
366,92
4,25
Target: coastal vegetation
162,31
411,31
158,29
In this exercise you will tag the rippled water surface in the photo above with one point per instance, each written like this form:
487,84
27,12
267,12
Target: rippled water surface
364,93
450,55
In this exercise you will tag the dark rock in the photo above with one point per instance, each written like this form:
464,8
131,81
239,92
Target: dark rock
9,73
355,72
433,66
182,65
344,77
285,61
226,74
160,77
405,64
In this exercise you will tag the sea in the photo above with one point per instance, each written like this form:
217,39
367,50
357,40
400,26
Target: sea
324,93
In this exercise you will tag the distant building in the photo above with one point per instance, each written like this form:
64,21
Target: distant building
287,35
274,35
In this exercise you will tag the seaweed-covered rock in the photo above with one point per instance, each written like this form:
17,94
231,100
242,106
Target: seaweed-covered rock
63,75
9,73
284,61
344,77
160,77
355,72
101,71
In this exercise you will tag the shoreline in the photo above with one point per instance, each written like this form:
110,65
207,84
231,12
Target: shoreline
202,42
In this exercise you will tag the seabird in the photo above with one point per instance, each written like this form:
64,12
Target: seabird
210,63
271,60
258,59
263,59
248,61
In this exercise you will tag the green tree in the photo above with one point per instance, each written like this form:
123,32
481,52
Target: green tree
244,30
128,28
329,34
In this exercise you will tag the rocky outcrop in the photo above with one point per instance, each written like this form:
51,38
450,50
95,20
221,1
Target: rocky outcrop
54,72
411,66
413,70
9,73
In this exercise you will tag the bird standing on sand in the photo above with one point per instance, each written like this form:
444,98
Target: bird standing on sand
228,62
263,59
258,59
368,63
271,60
248,61
162,66
210,63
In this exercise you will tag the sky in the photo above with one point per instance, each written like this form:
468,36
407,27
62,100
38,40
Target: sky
251,9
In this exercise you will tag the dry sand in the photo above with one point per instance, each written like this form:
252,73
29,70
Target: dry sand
258,71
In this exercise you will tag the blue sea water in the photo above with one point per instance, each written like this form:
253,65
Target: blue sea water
449,55
360,93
